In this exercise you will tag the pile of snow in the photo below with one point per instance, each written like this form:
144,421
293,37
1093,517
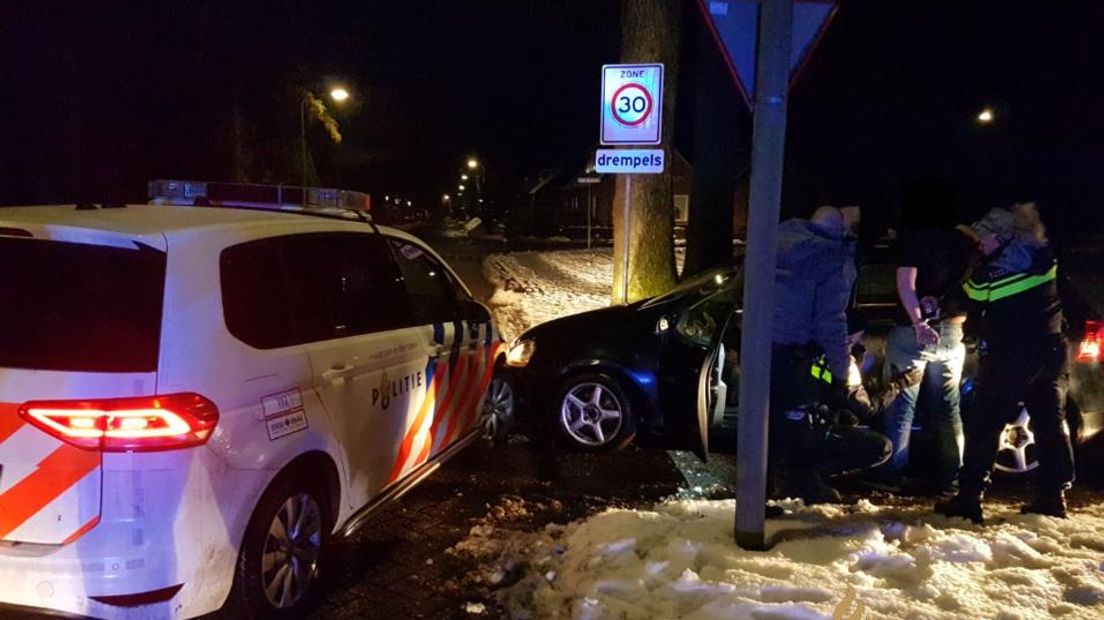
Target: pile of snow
534,287
678,560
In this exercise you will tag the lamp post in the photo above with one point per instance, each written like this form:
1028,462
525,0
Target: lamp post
476,168
339,95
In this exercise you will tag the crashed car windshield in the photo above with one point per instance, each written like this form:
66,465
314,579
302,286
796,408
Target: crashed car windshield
704,284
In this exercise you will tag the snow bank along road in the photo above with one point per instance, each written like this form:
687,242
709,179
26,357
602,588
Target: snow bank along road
677,560
534,287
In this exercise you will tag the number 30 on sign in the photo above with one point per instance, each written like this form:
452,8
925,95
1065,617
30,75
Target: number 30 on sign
632,104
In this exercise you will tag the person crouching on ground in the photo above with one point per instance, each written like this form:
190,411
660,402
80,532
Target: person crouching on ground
814,276
1024,358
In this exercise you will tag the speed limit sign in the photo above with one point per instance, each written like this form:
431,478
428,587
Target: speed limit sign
632,104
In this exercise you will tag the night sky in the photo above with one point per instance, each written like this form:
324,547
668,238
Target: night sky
100,97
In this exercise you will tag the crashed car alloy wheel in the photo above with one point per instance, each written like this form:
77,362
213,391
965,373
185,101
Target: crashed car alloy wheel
591,414
1017,446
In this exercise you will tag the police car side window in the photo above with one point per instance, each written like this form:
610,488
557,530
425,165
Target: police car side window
305,288
432,296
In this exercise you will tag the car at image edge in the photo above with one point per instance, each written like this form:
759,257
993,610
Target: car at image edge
193,399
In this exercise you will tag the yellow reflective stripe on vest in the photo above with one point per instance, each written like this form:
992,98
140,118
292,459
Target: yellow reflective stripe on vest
1007,287
819,370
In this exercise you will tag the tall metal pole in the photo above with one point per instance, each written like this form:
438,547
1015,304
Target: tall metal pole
628,240
767,155
303,143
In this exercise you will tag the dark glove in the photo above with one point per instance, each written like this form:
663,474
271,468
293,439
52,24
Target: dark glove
845,419
837,395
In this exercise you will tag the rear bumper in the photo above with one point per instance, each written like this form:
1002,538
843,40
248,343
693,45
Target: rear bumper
56,581
168,519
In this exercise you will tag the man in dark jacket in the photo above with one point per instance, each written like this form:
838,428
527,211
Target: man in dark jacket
811,357
1024,359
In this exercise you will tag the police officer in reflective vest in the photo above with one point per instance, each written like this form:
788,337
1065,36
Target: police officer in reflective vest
1024,358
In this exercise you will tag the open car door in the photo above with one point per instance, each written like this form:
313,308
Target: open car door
698,355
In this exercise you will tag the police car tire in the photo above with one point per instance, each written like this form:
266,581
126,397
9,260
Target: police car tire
625,433
247,598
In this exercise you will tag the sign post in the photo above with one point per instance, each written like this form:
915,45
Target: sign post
765,44
588,181
632,115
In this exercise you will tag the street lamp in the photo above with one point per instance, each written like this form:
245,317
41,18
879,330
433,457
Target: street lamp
986,116
462,188
473,163
339,95
463,177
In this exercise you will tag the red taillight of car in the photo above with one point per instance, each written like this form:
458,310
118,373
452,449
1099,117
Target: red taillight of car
1089,349
142,424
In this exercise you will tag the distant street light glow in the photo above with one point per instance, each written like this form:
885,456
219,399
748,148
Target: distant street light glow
462,188
410,203
445,198
986,116
463,177
339,94
473,163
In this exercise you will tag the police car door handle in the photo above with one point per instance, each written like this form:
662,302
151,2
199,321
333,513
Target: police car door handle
338,371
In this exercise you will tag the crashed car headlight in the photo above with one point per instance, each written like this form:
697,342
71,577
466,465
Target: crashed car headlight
520,352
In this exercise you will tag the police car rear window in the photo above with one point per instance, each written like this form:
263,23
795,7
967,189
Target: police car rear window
80,307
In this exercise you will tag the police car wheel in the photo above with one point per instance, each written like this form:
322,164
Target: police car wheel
594,413
281,559
498,409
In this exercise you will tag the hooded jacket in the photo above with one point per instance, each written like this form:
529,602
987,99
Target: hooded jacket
813,281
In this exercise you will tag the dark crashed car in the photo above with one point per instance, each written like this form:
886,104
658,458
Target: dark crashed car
669,365
600,377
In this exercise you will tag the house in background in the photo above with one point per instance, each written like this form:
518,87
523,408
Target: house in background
557,201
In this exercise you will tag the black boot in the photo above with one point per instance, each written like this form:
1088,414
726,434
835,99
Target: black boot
810,488
1051,504
964,504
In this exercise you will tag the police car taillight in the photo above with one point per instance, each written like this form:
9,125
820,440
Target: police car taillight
1089,349
141,424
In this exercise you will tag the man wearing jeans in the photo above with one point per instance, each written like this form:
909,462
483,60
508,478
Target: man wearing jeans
933,262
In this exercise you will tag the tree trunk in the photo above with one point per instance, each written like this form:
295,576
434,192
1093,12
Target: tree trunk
649,33
241,155
719,155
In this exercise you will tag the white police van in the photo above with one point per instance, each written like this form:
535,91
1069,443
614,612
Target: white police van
193,399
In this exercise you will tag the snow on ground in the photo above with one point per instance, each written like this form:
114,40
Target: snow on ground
534,287
678,560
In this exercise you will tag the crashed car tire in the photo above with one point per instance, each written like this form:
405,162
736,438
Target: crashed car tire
594,413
